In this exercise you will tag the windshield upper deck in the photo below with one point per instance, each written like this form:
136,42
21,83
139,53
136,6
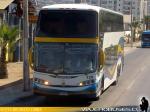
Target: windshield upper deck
67,23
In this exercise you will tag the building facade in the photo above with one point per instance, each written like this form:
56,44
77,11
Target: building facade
148,7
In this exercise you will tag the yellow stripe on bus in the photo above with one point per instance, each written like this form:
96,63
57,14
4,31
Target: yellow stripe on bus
69,40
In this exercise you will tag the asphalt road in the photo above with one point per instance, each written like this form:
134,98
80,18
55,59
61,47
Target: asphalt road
133,84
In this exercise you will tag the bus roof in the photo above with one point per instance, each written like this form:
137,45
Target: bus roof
77,7
146,32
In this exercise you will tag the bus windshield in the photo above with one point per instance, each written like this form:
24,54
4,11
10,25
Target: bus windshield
67,23
58,58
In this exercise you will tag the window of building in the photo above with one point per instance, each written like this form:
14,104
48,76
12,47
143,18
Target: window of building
110,2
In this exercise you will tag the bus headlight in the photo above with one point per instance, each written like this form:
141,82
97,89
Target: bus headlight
46,83
87,82
81,84
41,81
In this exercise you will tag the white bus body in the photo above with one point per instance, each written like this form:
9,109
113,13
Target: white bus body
110,34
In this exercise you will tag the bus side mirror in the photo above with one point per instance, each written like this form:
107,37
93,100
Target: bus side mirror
30,58
34,31
101,58
101,38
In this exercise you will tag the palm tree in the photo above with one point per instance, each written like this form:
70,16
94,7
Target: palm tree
135,26
8,36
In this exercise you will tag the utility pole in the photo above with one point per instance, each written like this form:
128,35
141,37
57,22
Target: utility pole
131,24
26,77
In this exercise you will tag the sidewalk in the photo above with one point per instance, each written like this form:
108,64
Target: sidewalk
14,74
12,88
14,71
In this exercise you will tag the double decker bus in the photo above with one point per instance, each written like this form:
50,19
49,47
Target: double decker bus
78,50
145,39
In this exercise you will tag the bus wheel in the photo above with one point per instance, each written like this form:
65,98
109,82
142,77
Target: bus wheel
117,77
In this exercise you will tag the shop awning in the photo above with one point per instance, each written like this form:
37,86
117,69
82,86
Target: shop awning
5,3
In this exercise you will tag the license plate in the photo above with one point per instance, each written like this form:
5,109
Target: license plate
63,93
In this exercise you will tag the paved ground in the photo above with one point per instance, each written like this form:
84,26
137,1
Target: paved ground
14,73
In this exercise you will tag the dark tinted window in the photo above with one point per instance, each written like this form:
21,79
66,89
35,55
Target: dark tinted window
110,22
59,58
146,37
67,23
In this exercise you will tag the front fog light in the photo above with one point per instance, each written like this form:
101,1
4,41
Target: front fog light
40,81
46,82
87,82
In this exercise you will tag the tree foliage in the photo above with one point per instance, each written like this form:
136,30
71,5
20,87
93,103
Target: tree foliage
135,25
8,36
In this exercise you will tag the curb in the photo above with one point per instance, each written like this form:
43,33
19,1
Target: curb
135,44
11,84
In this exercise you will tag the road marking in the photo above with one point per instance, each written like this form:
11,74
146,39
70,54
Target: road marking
143,68
131,84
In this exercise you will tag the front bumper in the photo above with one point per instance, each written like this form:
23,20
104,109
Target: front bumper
84,91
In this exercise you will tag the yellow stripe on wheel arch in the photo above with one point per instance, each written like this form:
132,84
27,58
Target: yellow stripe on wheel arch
69,40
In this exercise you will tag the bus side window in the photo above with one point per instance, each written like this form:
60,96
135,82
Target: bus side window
101,31
110,22
101,21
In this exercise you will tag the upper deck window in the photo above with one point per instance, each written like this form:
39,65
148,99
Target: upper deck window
67,23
